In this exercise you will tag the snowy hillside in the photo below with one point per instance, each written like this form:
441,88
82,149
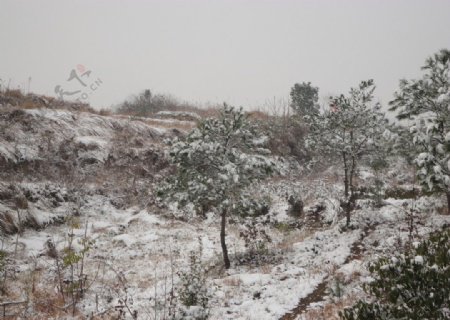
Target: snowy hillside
81,183
48,154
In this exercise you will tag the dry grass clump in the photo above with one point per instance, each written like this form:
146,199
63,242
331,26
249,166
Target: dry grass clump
16,98
7,223
266,269
30,104
232,282
160,123
14,93
208,112
104,112
330,310
258,115
48,304
286,245
180,125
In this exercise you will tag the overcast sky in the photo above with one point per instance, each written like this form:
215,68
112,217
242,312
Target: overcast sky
242,52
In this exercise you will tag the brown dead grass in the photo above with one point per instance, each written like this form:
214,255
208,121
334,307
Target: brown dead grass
29,104
104,112
232,282
266,269
443,210
145,284
208,113
330,311
180,125
48,304
258,115
35,101
14,93
185,125
102,230
286,245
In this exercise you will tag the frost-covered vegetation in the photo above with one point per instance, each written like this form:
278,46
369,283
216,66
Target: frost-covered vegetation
425,103
164,211
413,284
215,163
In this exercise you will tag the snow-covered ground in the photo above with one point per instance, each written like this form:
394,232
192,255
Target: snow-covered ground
29,130
138,250
143,247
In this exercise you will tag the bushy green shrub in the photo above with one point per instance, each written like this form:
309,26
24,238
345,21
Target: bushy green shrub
414,285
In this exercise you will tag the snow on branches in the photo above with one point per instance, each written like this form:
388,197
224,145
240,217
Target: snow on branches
349,129
215,163
218,159
426,104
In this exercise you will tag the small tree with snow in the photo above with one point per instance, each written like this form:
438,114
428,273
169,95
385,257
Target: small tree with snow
348,130
193,290
215,163
426,104
304,99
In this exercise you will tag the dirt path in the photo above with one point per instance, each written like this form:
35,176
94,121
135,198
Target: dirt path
316,295
320,292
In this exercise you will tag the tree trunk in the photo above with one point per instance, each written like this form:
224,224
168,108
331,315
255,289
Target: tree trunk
352,174
349,205
348,185
350,200
347,214
344,155
223,223
448,202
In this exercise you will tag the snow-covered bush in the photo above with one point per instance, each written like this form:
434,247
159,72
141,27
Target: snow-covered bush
250,205
336,288
215,163
426,104
413,285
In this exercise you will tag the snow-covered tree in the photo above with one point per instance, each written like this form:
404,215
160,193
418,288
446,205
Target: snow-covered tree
304,98
216,162
425,103
348,130
403,145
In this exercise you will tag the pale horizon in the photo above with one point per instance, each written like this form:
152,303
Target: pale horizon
245,53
